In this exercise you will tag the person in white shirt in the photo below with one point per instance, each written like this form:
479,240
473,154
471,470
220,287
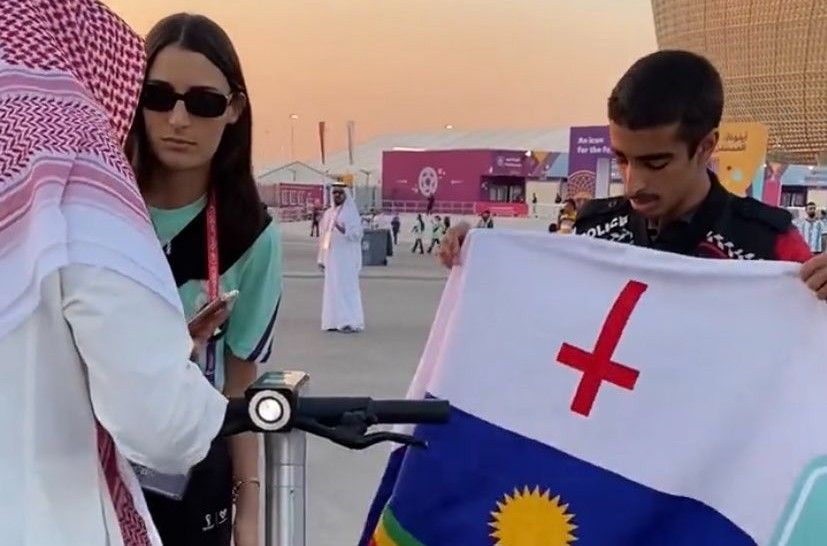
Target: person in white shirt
340,257
418,230
812,228
437,231
383,221
93,340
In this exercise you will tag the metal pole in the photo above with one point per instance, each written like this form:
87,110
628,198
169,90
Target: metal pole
292,141
285,501
293,118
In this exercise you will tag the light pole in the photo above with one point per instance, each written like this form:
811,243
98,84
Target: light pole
367,174
293,118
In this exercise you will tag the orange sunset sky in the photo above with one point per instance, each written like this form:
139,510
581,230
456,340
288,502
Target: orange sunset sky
418,65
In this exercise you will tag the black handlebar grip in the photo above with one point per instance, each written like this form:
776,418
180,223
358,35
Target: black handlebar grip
399,412
330,409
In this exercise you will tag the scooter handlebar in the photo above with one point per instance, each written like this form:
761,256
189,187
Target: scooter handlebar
331,411
275,404
347,420
395,412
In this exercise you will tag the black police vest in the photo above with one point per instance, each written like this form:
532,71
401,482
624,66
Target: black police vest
724,226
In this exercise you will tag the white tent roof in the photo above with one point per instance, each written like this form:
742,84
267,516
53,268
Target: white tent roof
367,157
293,172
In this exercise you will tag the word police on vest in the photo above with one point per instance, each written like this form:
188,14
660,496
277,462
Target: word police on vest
601,230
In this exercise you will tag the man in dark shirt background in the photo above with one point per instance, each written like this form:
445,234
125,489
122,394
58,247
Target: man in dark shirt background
315,216
430,204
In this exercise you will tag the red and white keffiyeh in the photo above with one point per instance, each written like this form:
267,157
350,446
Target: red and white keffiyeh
70,78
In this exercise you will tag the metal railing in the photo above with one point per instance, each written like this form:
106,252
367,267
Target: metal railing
289,214
412,207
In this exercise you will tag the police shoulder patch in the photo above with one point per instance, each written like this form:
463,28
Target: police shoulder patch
751,209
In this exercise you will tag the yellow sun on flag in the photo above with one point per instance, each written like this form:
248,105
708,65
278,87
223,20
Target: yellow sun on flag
532,518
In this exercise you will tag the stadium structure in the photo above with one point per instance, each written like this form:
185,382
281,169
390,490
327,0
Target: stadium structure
772,55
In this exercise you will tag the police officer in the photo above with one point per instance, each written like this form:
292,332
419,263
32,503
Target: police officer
663,119
663,125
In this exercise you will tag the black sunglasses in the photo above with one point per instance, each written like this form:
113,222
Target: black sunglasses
159,97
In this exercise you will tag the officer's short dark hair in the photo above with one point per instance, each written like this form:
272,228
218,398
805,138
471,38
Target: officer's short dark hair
667,87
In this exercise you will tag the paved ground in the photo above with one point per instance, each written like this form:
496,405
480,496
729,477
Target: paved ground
400,301
300,261
300,230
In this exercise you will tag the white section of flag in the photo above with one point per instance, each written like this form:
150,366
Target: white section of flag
430,356
730,404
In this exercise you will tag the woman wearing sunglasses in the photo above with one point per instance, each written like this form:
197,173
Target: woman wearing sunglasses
191,149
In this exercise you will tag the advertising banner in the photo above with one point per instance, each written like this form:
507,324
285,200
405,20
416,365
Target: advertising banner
739,160
587,147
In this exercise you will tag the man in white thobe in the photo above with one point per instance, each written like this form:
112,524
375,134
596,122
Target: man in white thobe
93,341
340,257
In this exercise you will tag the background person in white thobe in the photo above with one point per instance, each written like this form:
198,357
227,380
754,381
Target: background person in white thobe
340,257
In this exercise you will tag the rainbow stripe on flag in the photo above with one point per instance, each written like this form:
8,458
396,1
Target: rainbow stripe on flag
390,533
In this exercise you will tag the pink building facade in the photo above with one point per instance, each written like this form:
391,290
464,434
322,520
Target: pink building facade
461,181
290,194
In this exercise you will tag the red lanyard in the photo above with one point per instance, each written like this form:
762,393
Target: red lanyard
212,249
212,277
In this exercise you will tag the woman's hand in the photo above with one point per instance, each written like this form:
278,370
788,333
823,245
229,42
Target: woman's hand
202,328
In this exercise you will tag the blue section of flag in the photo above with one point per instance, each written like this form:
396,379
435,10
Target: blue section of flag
383,494
447,493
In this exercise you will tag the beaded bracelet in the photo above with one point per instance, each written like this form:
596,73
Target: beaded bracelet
239,483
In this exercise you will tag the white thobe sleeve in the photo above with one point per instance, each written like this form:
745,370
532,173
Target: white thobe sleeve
324,237
353,227
160,410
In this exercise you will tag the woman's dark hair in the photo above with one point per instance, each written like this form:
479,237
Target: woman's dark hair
231,169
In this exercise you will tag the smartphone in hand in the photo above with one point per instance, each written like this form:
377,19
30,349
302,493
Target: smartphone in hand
224,301
204,323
